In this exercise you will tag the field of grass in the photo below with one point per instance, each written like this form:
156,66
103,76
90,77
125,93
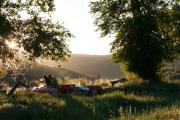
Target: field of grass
160,101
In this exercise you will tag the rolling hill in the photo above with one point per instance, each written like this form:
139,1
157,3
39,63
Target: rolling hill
93,65
90,65
77,66
37,71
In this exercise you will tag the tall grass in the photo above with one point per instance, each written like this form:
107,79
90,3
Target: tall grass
159,101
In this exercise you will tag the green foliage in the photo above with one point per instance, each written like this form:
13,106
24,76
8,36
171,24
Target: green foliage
130,76
29,24
6,27
146,32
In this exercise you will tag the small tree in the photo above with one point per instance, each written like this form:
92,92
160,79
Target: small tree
26,26
14,70
146,32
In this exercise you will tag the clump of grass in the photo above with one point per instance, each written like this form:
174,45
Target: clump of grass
102,82
85,81
77,81
160,113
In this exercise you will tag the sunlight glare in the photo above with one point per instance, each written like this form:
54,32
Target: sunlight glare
12,44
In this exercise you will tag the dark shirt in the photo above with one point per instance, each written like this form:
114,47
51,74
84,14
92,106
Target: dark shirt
48,82
54,82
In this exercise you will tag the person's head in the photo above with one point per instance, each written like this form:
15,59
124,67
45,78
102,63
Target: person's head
45,76
49,76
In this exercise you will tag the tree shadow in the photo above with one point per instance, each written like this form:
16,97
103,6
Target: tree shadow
166,94
107,105
76,110
100,107
22,109
153,87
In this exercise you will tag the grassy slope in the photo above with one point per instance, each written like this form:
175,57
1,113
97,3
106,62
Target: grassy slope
162,102
93,65
38,71
77,66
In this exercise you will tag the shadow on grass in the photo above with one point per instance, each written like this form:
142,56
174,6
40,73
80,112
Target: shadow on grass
153,87
76,110
101,107
51,108
165,94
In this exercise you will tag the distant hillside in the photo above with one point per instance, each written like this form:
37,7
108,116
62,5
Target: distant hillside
79,65
93,65
38,71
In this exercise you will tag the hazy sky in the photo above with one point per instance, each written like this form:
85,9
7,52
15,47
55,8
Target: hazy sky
76,17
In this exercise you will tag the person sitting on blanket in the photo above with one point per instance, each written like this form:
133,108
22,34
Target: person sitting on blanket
51,86
47,80
53,82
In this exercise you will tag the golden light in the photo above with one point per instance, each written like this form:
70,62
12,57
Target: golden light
12,44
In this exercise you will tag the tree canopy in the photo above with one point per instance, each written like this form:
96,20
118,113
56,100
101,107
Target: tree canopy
29,24
146,32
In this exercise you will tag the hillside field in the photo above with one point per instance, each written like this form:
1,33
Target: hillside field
90,65
160,101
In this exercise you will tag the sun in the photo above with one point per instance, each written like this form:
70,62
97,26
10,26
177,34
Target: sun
12,44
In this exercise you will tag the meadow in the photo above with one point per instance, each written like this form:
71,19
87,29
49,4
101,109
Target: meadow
154,101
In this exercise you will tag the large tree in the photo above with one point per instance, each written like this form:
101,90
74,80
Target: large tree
28,23
146,32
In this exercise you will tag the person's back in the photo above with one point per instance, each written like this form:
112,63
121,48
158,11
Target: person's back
47,80
54,82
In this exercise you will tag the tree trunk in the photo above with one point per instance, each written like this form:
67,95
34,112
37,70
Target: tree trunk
17,84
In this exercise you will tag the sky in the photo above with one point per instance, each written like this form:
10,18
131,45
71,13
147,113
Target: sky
75,16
